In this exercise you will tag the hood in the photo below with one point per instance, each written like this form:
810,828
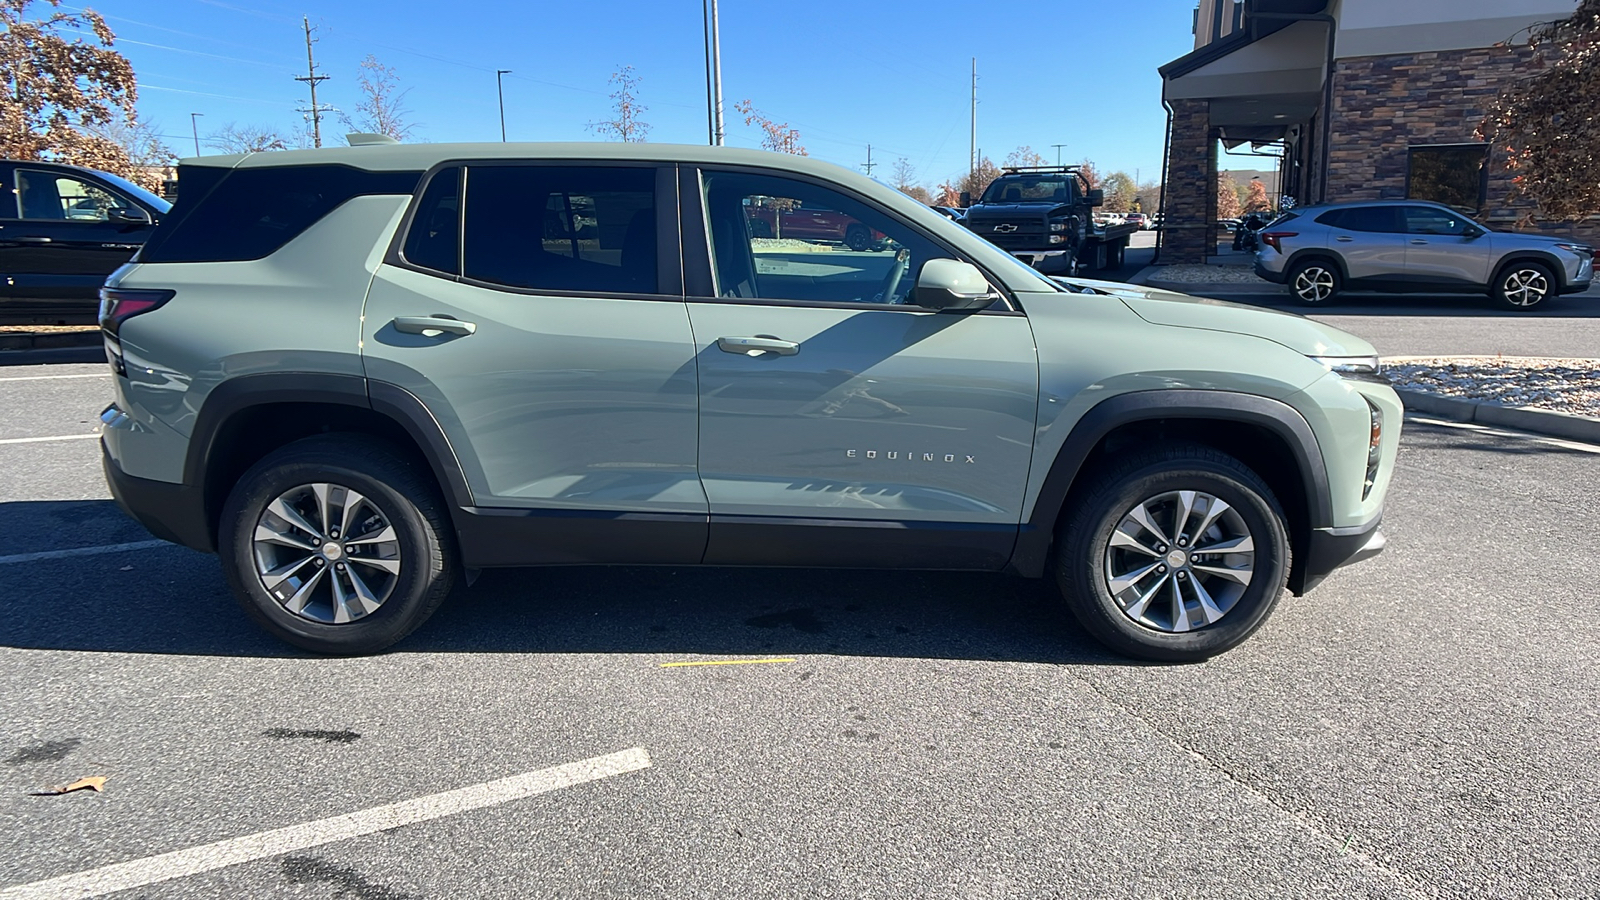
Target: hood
1033,206
1298,333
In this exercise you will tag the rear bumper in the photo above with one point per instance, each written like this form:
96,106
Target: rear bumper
171,512
1334,548
1263,272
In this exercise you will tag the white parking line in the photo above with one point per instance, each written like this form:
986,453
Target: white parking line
49,377
58,437
209,857
1520,435
81,551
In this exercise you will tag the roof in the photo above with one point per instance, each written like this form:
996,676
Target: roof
416,157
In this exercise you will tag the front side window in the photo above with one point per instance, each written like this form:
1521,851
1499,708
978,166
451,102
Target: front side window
61,198
561,228
1451,175
774,238
1427,220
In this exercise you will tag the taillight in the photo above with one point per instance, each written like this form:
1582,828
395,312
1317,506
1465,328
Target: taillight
118,305
1272,238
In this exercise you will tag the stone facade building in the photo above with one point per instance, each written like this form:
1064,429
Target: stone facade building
1410,83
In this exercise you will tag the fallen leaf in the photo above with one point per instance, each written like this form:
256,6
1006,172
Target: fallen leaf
96,783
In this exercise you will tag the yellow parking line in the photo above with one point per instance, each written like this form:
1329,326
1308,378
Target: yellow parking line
723,662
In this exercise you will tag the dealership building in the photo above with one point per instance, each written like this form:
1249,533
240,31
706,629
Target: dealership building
1364,99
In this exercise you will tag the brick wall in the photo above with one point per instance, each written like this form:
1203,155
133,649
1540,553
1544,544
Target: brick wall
1188,229
1382,105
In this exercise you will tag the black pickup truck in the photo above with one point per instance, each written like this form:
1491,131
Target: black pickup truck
1044,215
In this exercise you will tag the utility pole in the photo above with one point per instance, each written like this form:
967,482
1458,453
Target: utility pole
869,163
972,148
714,71
500,91
196,129
312,78
1058,152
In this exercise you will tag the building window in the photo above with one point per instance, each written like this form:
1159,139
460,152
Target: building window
1453,174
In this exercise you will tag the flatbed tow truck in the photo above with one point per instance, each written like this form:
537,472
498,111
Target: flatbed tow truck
1044,216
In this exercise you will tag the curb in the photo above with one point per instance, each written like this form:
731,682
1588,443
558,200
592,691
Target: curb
50,341
1538,421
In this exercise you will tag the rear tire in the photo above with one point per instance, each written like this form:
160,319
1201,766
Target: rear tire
1523,285
857,237
1315,282
302,580
1194,607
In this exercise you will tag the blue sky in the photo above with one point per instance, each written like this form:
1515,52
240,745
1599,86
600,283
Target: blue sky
892,74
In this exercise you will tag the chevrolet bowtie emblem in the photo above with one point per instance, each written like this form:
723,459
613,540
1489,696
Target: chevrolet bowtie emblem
1005,228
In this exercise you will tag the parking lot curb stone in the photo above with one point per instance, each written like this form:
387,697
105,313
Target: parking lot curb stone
1538,421
50,340
1147,277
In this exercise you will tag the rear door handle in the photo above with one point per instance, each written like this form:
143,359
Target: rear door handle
31,239
1418,241
1344,239
755,346
436,324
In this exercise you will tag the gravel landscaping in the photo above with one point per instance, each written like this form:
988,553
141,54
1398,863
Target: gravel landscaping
1564,385
1193,273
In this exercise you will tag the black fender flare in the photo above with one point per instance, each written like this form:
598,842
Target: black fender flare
1549,260
1036,534
236,395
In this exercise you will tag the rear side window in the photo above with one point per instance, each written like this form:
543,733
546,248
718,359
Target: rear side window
561,228
1381,219
251,213
434,241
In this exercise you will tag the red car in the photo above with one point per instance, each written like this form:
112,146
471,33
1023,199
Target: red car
809,224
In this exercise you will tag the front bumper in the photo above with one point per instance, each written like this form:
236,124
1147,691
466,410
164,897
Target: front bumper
1583,280
1333,548
171,512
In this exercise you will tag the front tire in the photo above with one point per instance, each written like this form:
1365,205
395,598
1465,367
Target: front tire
857,238
337,544
1315,282
1523,285
1175,555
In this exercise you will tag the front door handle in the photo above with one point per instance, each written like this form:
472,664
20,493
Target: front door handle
436,324
1344,239
31,239
1418,241
755,346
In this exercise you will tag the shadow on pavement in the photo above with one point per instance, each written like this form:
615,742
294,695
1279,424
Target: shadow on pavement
171,600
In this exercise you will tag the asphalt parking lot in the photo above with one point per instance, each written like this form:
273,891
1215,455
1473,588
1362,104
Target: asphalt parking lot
1423,725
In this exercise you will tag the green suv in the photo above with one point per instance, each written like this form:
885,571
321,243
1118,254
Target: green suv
362,375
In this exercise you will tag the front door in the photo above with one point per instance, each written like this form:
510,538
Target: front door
59,250
530,311
1439,250
839,424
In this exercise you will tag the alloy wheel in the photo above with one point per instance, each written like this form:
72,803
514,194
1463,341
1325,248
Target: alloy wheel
1525,287
1179,561
1314,284
326,553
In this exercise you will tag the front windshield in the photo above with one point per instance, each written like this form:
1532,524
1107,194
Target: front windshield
1028,188
139,193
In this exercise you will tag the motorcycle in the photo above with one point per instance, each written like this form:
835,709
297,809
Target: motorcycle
1247,237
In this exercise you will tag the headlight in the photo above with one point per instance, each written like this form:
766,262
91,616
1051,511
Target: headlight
1350,365
1056,238
1058,226
1580,249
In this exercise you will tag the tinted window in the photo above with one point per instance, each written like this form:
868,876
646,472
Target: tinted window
773,238
1363,218
560,228
251,213
434,241
1452,175
50,196
1427,220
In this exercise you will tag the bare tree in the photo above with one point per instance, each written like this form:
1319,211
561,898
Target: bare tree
62,82
148,155
1546,122
233,138
975,181
1025,156
774,135
1120,192
381,109
905,181
625,123
1087,169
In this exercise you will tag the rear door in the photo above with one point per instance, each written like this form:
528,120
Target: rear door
1371,241
1439,250
537,312
869,432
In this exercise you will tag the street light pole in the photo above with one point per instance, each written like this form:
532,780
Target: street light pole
196,129
500,91
714,51
1058,152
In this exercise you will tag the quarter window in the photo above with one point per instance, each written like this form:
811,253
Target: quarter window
778,239
434,241
62,198
561,228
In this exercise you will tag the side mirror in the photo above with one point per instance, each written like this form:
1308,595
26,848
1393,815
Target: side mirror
1096,197
127,215
948,285
1472,231
966,199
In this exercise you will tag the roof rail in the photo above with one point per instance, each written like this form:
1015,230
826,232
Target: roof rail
1016,170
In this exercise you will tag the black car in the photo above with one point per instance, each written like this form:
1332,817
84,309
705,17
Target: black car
63,229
